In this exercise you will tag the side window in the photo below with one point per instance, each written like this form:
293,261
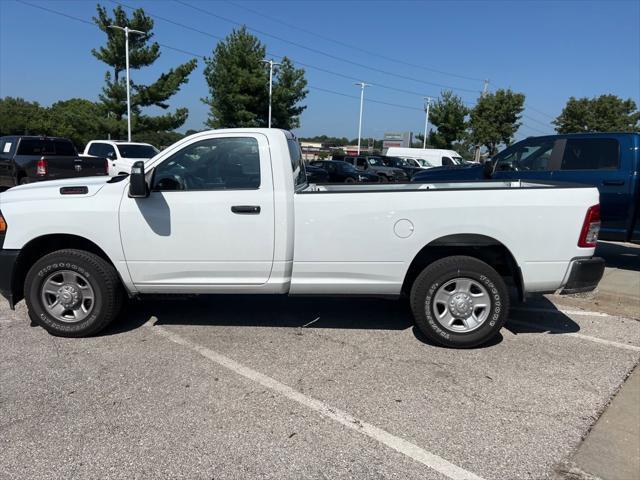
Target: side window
231,163
528,155
297,164
362,163
108,151
64,148
95,149
591,154
447,161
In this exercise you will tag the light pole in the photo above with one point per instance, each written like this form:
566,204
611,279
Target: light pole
362,86
271,64
126,31
426,121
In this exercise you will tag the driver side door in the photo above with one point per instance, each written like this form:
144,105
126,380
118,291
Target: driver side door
208,221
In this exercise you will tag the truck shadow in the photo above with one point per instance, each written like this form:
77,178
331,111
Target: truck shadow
311,312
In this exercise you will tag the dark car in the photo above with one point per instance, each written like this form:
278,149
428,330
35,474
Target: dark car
26,159
609,161
316,174
343,172
376,166
403,164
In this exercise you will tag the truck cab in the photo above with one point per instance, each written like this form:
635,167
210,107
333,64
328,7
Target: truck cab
120,155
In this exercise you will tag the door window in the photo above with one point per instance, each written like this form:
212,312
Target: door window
447,161
591,154
231,163
534,155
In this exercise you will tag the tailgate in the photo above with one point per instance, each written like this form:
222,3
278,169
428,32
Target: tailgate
75,166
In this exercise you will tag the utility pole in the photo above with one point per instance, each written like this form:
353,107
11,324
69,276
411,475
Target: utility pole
485,91
271,64
362,87
126,31
426,121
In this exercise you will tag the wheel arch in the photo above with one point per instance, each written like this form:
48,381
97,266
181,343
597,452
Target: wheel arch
482,247
41,246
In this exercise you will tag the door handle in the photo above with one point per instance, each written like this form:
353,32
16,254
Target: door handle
613,182
246,209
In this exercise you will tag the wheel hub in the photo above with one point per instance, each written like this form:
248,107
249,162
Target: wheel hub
461,305
69,296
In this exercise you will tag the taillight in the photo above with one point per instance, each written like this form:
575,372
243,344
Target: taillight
590,228
41,168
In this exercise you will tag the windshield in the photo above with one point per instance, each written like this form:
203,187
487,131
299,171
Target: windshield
348,167
460,161
137,151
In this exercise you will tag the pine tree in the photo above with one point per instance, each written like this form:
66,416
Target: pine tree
238,82
142,53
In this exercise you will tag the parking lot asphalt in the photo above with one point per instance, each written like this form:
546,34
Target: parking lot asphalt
238,387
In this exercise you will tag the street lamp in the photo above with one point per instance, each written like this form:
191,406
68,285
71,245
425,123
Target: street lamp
126,31
426,121
362,86
271,64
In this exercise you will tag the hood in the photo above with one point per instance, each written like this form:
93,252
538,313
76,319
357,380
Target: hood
51,189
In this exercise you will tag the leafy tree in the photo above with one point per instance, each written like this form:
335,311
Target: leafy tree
238,83
20,117
606,113
495,119
77,119
141,54
447,114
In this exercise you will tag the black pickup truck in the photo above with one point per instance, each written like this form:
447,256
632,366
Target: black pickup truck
26,159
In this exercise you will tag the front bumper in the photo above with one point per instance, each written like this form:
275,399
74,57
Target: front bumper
584,276
8,260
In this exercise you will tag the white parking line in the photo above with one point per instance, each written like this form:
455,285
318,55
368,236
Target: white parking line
409,449
559,311
544,328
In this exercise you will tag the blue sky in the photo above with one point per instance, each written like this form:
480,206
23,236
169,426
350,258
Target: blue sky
548,50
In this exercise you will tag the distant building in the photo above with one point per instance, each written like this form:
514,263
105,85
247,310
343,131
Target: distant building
396,139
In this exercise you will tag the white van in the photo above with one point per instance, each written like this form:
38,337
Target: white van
434,156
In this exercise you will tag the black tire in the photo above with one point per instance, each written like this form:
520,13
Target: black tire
23,181
437,275
100,275
383,179
350,180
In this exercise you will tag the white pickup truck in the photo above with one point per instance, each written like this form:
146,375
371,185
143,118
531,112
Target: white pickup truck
230,211
120,155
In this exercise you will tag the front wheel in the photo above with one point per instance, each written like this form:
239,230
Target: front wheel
73,293
459,302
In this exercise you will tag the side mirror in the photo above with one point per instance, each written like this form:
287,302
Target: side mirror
137,181
111,155
488,168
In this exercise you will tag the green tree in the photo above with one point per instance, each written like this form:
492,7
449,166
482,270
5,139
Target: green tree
238,83
77,119
447,114
21,117
141,54
606,113
495,119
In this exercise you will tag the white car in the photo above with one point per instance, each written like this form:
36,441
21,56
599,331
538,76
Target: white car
120,155
231,211
434,156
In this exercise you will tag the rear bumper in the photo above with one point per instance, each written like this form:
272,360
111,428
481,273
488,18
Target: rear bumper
8,260
584,276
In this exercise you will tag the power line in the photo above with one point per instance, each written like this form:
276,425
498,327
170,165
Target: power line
354,47
315,50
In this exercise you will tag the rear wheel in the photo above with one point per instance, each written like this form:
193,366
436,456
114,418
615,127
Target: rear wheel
459,302
349,180
383,179
73,293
